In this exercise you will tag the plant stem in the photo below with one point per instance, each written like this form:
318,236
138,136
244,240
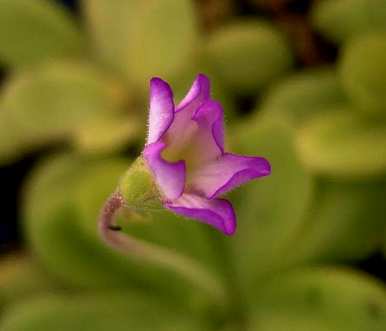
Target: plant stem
154,254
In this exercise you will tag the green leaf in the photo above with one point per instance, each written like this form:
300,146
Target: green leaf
141,39
36,31
98,312
12,141
107,133
344,222
248,55
383,247
304,94
363,72
269,210
344,145
340,20
52,101
21,277
321,299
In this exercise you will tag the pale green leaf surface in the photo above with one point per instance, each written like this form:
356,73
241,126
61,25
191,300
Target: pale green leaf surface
248,55
321,299
33,31
51,101
141,39
344,145
21,277
303,95
340,20
344,222
271,209
98,312
362,70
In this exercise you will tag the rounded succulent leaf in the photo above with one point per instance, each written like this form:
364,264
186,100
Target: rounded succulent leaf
303,95
13,141
268,216
116,311
321,299
106,133
340,20
363,72
21,277
248,55
141,39
344,145
35,31
344,222
53,100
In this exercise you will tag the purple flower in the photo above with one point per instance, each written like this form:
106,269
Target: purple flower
185,153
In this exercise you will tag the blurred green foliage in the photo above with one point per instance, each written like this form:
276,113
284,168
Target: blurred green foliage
341,20
258,51
33,32
80,85
363,78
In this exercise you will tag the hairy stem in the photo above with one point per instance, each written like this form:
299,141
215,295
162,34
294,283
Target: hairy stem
154,254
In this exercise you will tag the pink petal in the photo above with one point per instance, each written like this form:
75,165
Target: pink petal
199,92
218,213
202,139
170,177
161,112
210,120
182,124
226,173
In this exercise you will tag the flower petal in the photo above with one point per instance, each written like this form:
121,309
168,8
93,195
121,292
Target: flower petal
199,92
210,120
170,177
197,123
226,173
218,213
161,112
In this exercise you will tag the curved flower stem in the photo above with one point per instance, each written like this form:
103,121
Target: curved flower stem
154,254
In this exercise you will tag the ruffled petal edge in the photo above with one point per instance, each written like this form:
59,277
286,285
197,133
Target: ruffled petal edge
217,213
199,92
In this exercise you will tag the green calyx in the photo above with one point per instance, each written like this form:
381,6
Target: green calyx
138,188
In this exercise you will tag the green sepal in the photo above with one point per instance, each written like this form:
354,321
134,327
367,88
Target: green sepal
138,188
